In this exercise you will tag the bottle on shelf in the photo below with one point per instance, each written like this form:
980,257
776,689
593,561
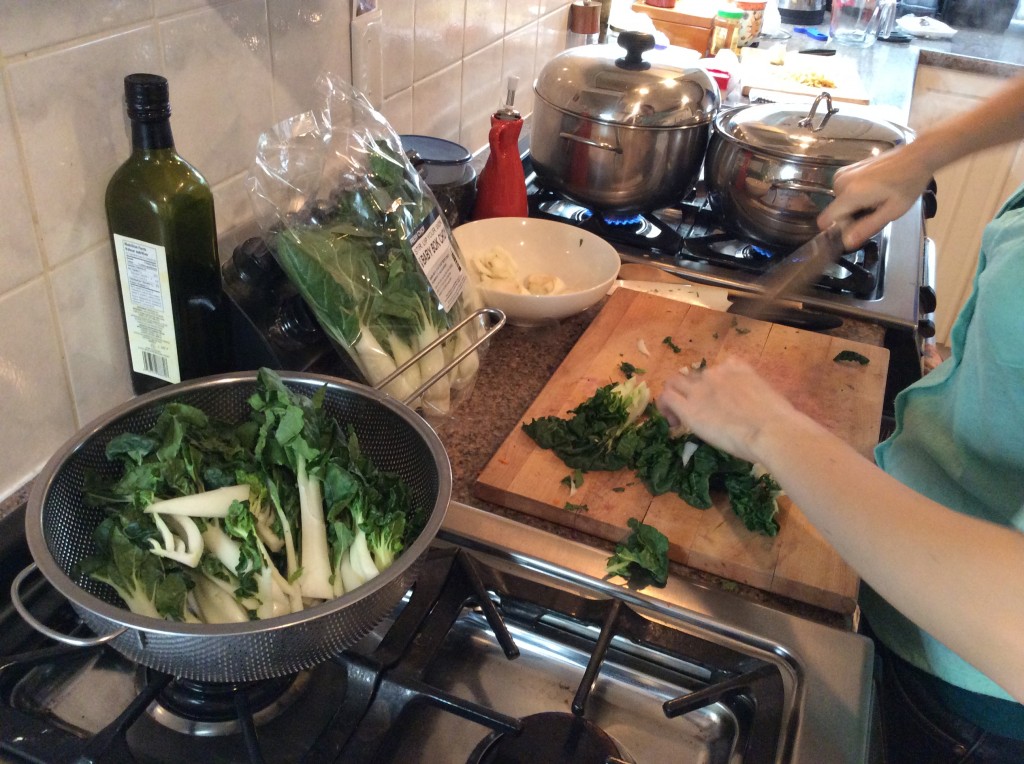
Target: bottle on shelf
164,235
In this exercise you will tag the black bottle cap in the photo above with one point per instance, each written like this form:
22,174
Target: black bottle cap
254,263
147,97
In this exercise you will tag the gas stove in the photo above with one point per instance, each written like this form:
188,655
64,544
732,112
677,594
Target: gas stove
509,648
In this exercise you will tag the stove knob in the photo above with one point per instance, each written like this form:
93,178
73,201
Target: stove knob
926,328
926,299
930,200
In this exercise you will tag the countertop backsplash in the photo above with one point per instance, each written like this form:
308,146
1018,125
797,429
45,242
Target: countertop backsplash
234,69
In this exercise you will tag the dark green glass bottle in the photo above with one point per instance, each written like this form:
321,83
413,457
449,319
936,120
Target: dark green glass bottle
164,235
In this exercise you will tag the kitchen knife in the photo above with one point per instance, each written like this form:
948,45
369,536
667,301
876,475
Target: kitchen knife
795,272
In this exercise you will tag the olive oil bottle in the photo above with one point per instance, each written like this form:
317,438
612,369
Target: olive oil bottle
164,235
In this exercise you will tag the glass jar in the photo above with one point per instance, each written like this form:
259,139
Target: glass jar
726,31
753,19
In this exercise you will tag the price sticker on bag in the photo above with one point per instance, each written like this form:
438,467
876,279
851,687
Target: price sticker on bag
432,247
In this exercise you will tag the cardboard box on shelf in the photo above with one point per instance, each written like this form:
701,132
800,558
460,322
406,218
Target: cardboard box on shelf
687,25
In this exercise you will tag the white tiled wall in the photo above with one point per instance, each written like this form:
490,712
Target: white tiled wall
234,68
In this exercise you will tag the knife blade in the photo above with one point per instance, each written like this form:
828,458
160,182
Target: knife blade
794,273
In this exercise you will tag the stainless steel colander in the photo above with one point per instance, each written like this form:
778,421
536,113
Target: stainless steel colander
59,529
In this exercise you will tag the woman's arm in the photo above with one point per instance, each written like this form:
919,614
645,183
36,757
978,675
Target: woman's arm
889,184
959,578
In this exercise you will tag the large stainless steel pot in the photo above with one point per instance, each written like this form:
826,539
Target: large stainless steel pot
769,167
621,133
59,529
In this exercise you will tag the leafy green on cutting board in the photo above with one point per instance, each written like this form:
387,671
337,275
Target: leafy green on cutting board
617,428
573,481
644,554
629,370
590,439
851,356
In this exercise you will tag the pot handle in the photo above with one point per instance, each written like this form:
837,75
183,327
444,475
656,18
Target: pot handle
808,121
807,187
588,142
30,619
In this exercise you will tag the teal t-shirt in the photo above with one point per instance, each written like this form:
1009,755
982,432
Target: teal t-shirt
959,436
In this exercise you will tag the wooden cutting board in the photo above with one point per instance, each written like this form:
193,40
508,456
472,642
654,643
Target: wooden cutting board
844,397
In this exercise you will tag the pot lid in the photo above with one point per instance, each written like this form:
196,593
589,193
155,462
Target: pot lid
834,135
637,86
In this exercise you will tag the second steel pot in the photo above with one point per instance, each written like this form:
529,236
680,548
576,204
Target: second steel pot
621,133
769,167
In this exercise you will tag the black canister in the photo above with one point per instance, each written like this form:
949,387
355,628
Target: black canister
446,168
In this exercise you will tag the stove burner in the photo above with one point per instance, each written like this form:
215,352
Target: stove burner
643,230
209,709
553,738
624,220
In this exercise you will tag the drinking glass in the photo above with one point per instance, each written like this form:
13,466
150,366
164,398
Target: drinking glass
857,22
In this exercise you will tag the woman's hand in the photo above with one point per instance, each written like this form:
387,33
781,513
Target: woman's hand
874,192
728,405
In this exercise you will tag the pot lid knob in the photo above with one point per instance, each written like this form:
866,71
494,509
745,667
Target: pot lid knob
636,44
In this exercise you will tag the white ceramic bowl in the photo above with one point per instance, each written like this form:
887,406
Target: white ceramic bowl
586,263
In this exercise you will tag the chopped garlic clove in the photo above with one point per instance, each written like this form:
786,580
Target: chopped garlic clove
543,283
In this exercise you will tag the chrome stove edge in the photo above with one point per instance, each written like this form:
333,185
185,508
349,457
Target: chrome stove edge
833,718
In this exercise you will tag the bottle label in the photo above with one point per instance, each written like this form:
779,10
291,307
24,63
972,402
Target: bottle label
432,247
146,293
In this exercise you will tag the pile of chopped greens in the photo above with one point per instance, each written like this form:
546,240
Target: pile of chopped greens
222,522
618,428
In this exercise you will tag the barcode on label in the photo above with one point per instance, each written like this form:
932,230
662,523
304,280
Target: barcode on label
155,364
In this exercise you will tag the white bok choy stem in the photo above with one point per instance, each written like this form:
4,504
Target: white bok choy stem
377,365
213,503
215,602
351,579
315,580
438,395
186,547
228,552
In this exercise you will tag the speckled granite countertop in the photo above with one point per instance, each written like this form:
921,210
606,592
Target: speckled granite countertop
972,50
888,69
517,364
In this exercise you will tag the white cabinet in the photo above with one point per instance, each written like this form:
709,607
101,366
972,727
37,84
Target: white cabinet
970,191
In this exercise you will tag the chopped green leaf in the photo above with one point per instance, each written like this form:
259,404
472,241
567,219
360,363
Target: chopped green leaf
644,553
675,348
630,370
853,356
573,481
576,507
739,329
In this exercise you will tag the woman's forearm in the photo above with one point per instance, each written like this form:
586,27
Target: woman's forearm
957,577
997,120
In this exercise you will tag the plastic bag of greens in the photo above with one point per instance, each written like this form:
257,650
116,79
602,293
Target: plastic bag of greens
363,239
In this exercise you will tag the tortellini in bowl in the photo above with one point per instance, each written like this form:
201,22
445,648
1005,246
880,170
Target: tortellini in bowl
536,270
